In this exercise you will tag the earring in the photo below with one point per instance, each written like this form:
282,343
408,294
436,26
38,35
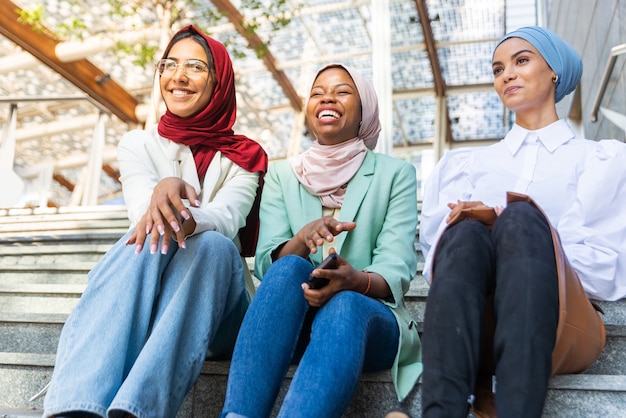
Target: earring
555,79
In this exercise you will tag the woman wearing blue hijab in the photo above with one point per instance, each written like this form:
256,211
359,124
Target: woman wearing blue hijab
517,237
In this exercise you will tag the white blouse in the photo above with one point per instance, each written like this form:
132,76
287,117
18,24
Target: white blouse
580,184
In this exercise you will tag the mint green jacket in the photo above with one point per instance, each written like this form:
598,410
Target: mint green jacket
381,198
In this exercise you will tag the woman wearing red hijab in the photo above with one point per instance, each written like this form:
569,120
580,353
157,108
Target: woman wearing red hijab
137,339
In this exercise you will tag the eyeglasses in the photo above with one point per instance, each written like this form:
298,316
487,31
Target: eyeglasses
191,68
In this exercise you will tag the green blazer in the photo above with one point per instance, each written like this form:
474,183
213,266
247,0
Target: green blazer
382,199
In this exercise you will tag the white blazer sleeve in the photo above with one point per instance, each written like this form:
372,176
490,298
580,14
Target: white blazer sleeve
227,198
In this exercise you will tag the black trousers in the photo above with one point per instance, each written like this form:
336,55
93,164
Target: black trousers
510,270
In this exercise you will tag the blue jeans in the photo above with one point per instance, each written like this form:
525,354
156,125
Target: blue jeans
137,339
334,344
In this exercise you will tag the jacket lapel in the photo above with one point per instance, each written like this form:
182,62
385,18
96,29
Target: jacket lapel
355,193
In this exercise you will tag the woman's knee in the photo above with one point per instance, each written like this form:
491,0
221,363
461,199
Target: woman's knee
521,225
464,248
214,244
518,215
289,269
347,305
468,233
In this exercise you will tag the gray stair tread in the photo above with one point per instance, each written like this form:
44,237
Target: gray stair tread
27,359
612,330
19,413
34,249
60,303
54,227
70,212
33,318
49,224
69,235
48,289
65,266
614,383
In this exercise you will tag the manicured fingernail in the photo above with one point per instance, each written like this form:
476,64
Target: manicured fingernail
138,248
185,214
161,229
147,230
197,202
183,245
175,226
164,249
153,249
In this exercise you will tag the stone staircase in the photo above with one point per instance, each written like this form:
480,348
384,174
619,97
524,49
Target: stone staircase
45,255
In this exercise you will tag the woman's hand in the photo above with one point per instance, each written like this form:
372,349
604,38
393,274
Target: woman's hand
459,206
312,235
344,277
477,211
166,216
316,232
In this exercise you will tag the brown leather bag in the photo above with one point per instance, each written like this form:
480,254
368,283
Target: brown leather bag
580,334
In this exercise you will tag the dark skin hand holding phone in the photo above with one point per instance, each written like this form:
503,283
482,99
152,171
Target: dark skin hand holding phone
330,263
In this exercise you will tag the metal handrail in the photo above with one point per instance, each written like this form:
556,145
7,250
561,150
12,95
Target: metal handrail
615,52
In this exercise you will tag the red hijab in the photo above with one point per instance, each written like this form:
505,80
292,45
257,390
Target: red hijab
211,130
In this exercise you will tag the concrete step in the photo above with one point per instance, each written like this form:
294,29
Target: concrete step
39,333
59,303
23,375
95,224
33,333
51,252
14,219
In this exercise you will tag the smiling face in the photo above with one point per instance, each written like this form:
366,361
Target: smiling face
185,96
334,107
522,78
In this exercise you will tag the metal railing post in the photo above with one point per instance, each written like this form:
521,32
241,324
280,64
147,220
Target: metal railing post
615,52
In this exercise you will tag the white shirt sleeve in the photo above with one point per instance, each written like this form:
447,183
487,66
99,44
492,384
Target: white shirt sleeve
593,229
448,183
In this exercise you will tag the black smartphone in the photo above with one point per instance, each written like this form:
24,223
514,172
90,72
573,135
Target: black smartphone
329,262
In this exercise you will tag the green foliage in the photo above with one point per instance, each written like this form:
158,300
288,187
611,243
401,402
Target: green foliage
142,55
73,28
32,16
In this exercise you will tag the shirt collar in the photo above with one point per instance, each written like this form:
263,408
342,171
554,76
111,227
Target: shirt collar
551,136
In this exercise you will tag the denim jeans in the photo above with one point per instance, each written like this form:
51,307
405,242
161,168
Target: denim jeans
511,269
137,339
332,345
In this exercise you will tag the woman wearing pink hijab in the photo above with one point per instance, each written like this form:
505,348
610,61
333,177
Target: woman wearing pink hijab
337,198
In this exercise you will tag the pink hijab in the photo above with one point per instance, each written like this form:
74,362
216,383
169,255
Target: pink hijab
325,170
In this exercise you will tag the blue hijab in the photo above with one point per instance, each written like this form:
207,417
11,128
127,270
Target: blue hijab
560,56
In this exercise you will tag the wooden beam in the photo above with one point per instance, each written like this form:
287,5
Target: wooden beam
63,181
112,172
237,19
82,73
431,49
